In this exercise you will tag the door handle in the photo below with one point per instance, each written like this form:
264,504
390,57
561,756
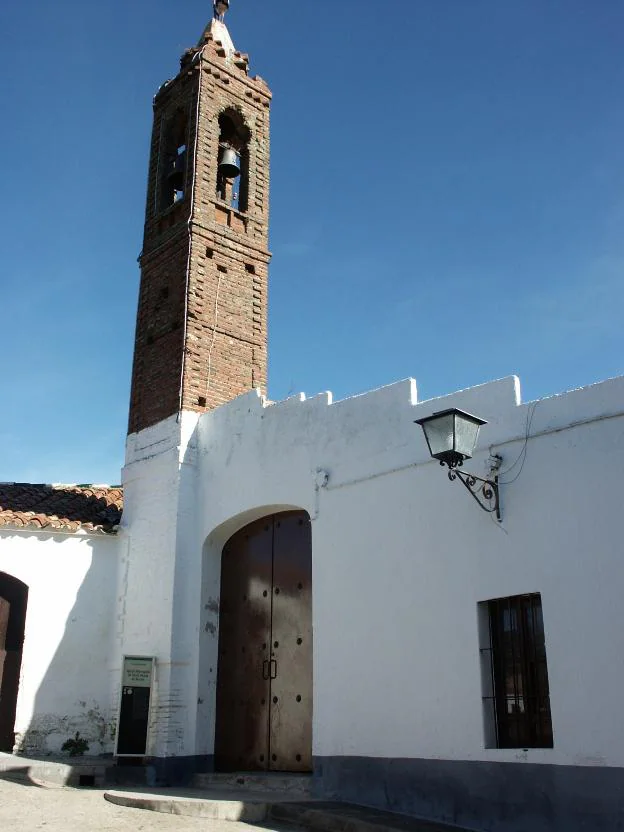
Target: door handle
265,669
273,670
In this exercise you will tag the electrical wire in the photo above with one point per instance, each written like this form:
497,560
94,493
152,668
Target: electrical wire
521,458
197,55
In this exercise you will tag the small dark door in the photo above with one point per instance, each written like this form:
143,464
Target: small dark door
133,722
13,599
264,687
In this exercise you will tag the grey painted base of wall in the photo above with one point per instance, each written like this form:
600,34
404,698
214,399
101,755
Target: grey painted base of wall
492,797
176,771
488,797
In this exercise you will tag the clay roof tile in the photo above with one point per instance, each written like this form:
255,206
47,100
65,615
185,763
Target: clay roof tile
63,507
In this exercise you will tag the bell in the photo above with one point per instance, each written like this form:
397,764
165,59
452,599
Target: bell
175,177
229,166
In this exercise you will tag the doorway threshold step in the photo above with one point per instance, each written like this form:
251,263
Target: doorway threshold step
298,786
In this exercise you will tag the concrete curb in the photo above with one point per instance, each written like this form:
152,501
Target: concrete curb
193,807
260,808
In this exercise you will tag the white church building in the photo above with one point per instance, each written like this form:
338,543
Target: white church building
299,586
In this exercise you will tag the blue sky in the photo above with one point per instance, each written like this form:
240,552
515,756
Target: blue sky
447,201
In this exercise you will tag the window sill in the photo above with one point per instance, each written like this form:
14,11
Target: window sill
231,218
226,206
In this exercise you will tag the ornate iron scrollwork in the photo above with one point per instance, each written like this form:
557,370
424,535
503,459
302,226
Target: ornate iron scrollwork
484,492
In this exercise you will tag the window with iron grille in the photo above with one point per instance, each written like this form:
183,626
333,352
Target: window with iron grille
514,673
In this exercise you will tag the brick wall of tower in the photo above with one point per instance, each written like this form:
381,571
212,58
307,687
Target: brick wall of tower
201,337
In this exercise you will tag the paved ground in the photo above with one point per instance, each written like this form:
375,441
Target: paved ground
26,808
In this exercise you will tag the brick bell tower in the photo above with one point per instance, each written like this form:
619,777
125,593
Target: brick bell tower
201,332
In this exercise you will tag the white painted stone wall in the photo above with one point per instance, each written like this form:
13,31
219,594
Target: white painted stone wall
68,672
401,559
159,529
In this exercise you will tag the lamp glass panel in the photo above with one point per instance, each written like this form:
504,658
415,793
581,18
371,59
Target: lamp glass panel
439,433
466,435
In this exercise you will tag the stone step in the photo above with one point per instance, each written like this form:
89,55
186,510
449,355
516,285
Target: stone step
297,785
209,804
276,810
346,817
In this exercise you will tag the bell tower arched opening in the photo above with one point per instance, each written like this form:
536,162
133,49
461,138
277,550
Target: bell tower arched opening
233,160
264,681
174,158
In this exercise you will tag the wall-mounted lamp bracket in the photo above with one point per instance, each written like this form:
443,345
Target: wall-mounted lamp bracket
452,437
484,492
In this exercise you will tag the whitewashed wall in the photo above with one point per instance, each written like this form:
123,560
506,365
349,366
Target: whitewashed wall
401,559
159,590
68,673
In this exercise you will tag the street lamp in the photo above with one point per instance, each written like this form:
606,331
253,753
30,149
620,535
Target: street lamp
452,437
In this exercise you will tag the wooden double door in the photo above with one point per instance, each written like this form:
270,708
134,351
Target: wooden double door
264,683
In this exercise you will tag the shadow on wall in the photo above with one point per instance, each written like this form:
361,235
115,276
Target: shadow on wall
13,603
69,628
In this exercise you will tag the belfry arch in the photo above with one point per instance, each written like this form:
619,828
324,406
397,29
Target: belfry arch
234,137
264,666
13,601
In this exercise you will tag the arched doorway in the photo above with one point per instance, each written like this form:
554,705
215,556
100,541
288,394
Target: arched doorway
264,682
13,600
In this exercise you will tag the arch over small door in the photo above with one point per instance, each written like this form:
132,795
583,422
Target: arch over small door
264,681
13,601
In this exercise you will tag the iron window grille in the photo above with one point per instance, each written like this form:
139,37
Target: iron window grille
515,674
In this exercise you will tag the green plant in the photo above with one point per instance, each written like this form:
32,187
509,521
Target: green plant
75,747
